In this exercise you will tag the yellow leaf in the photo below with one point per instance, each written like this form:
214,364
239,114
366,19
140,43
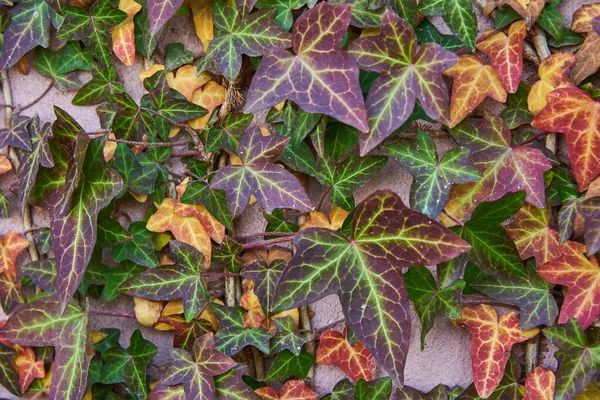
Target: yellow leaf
140,198
185,229
109,148
147,312
209,316
186,81
173,307
203,21
5,164
98,336
123,36
336,219
210,97
150,71
160,240
163,326
280,106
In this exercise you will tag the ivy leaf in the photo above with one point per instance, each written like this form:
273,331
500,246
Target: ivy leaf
291,390
344,177
551,20
265,277
581,275
197,372
343,390
530,10
160,11
29,368
283,10
285,338
427,32
273,186
578,357
530,293
232,337
408,72
506,54
365,13
590,211
553,75
509,387
516,113
504,168
492,341
228,135
9,377
492,250
105,82
16,134
432,177
532,235
129,366
139,249
293,122
123,35
320,77
181,280
540,385
39,155
75,230
473,82
459,15
29,27
440,392
276,222
574,112
138,178
177,56
43,322
288,365
354,359
230,386
379,389
11,245
236,35
587,61
93,28
48,62
327,262
145,42
431,301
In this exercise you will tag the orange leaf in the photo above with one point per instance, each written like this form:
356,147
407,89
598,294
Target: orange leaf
532,235
122,35
354,359
473,82
5,164
540,385
492,341
588,56
11,245
203,21
506,54
214,228
575,113
29,368
581,275
211,96
317,219
291,390
254,316
186,81
530,10
553,75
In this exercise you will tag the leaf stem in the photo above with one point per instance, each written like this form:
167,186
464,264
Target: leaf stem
189,153
138,143
263,243
457,222
531,139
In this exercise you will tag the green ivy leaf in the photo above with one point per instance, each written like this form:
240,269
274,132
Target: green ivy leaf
459,15
276,222
75,230
288,365
110,232
551,20
105,82
364,13
227,255
43,240
145,41
530,293
343,390
232,337
285,338
214,200
431,301
129,366
578,357
74,58
170,282
9,376
379,389
29,27
432,178
344,177
265,277
139,249
177,56
228,135
47,63
427,32
230,386
440,392
237,35
137,177
114,277
517,113
44,322
93,28
327,262
283,10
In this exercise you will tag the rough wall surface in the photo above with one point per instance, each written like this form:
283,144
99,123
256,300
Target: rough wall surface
446,357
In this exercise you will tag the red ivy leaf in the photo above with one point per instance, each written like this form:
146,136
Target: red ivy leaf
492,341
540,385
354,359
29,368
11,245
320,78
581,275
291,390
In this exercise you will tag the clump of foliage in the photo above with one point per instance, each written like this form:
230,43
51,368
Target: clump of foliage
282,93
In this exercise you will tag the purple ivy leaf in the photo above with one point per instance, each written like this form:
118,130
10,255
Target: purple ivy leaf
590,211
320,77
160,11
408,72
272,185
365,271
